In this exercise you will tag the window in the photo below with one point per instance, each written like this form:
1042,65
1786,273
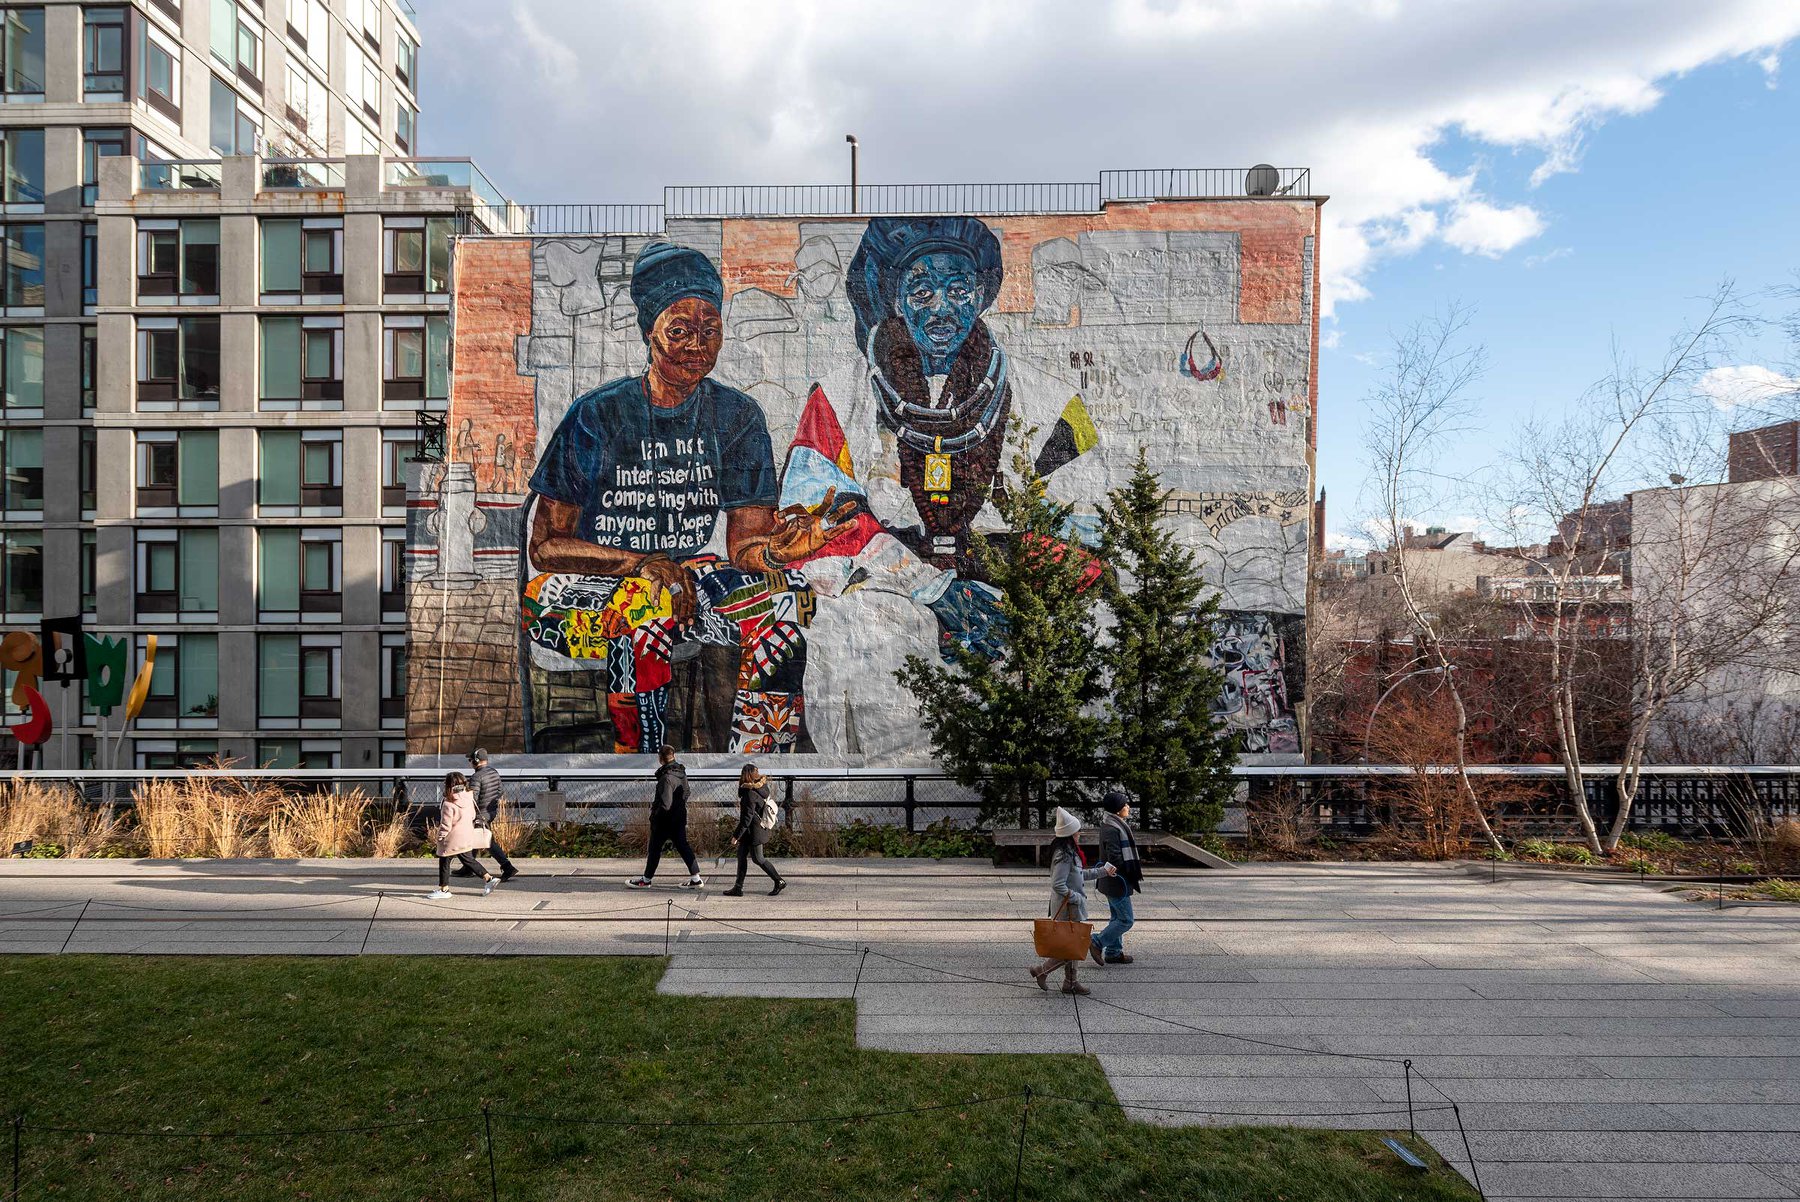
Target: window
393,575
299,473
90,369
416,255
393,680
406,127
179,259
23,451
309,28
178,473
298,753
97,144
178,575
303,259
22,370
415,361
184,689
234,128
90,473
160,88
24,166
370,11
22,71
299,573
359,138
297,677
103,54
90,266
90,569
302,363
170,755
397,446
237,41
178,362
22,563
406,63
24,251
306,103
364,84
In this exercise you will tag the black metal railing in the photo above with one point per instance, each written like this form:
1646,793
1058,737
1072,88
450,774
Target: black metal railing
1346,801
685,201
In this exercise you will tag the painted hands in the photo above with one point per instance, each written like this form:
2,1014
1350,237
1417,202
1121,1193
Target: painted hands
804,529
670,577
969,616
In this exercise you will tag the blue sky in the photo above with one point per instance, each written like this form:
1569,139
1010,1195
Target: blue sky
1572,171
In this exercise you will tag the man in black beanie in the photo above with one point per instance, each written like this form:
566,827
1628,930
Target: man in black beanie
1119,849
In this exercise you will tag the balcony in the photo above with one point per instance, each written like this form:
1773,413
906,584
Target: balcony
180,175
303,175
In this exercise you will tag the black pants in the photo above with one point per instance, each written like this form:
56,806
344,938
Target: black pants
493,849
669,826
751,848
469,863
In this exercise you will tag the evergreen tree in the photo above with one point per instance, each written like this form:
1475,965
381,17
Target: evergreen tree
1160,739
1008,714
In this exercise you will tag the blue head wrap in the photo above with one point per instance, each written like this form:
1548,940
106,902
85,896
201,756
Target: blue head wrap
664,274
892,244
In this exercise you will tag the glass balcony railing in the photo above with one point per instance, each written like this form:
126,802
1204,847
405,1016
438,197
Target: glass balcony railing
180,175
305,175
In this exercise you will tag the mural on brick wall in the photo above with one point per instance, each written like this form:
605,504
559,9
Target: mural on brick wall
710,489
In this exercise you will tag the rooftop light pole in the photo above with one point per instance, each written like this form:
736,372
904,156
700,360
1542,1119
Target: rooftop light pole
851,138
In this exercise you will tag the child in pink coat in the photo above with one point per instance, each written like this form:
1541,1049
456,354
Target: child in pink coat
457,836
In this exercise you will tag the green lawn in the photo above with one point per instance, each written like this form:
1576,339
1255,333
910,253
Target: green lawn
226,1044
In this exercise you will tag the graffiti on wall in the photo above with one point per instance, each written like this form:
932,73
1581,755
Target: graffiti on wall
749,469
1258,653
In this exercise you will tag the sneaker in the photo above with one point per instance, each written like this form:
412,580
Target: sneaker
734,891
779,886
1095,954
638,882
693,882
508,875
487,886
438,894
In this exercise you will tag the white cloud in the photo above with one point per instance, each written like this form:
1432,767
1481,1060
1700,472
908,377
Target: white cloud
1479,228
608,100
1746,384
1549,256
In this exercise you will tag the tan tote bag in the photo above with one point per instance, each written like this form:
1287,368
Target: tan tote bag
1057,939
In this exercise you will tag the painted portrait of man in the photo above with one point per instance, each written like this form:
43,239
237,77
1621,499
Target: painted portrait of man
654,533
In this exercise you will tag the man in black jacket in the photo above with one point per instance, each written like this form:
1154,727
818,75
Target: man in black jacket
1119,849
668,822
489,793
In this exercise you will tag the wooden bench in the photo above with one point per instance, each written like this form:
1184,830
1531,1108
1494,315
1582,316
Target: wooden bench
1037,840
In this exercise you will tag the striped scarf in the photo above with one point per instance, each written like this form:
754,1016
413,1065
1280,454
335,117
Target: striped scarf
1127,845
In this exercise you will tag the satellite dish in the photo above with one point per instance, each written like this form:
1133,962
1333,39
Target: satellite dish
1261,180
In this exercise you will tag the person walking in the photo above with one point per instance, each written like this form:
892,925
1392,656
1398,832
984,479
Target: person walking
1119,849
489,793
758,816
457,836
668,822
1069,874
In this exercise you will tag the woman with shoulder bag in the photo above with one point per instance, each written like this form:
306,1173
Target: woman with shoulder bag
757,817
1069,874
457,836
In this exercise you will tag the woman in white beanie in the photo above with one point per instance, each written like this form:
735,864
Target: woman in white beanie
1069,874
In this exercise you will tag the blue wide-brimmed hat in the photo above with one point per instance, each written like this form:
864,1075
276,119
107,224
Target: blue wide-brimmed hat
665,273
892,244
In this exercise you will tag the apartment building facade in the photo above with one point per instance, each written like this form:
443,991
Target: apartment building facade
196,411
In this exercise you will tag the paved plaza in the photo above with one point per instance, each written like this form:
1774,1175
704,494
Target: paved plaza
1602,1040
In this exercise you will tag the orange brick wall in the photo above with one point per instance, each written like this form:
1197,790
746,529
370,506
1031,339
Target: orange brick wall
488,396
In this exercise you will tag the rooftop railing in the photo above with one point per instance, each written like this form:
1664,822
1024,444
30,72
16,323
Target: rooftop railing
686,201
303,175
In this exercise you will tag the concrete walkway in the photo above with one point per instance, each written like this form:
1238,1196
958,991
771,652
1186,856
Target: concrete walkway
1601,1040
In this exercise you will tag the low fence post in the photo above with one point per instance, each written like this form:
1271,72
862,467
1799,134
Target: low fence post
910,800
18,1126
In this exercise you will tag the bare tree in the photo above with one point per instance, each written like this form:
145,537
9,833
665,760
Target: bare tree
1631,485
1422,400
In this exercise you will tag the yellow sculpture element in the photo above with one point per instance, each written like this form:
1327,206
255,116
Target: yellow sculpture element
140,688
21,654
